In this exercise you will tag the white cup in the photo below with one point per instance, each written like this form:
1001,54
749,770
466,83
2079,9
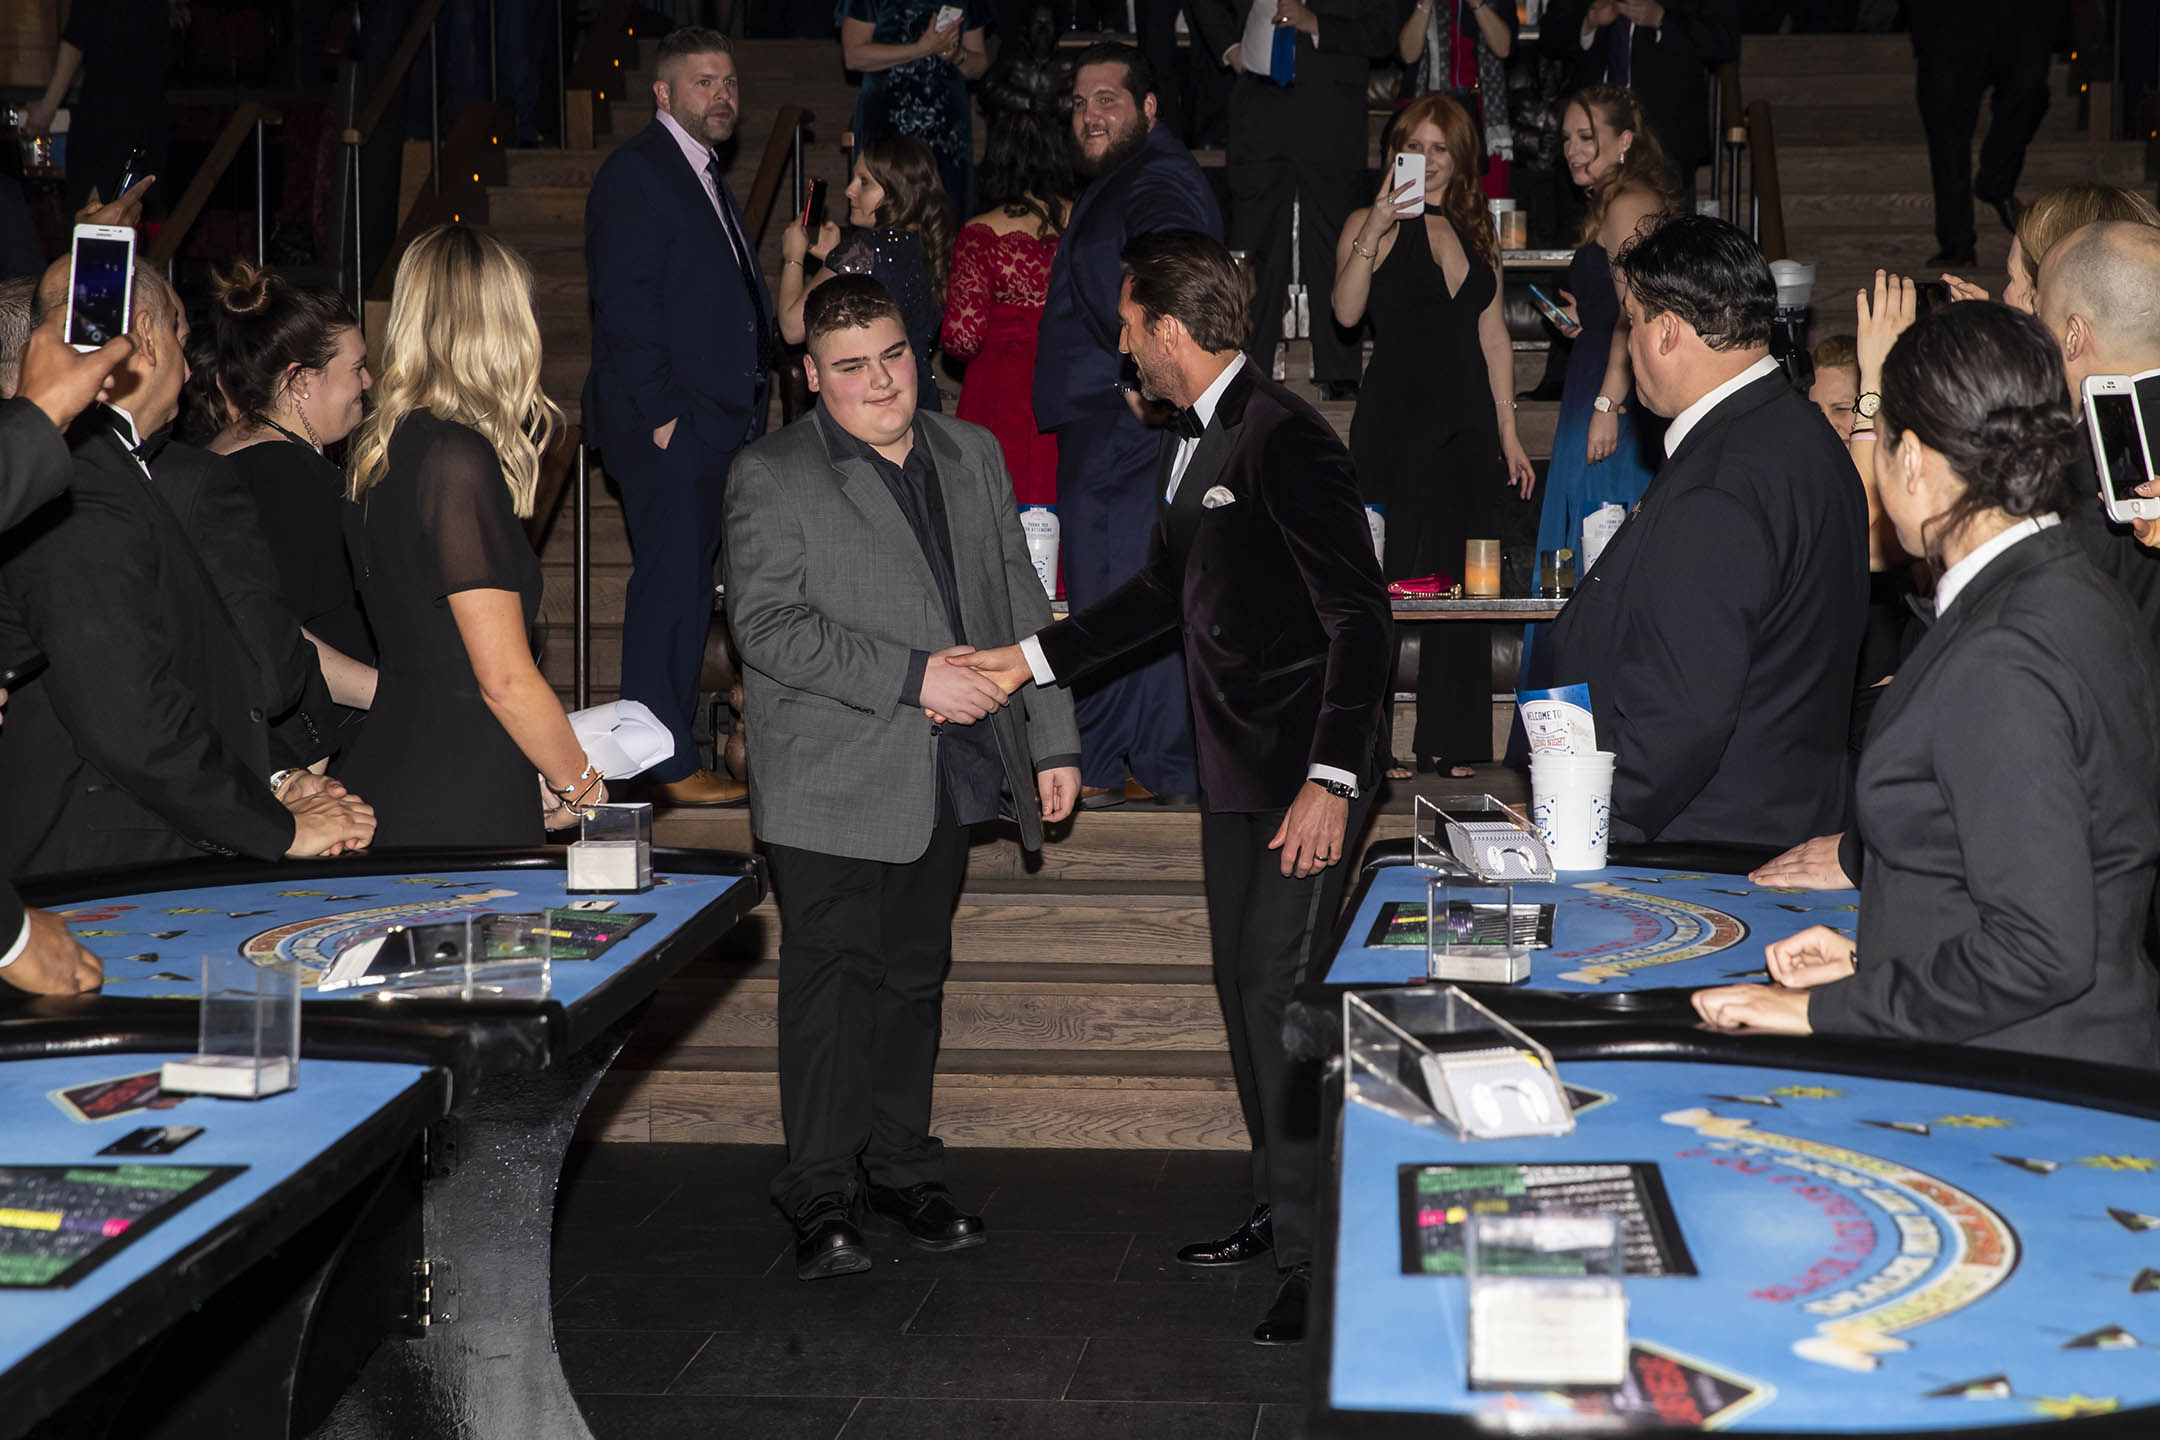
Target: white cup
1571,805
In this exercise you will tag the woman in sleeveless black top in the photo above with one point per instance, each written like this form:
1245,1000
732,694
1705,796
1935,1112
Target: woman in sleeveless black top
1434,434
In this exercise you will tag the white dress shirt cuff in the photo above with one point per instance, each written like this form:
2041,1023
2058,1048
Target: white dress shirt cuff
1329,772
22,943
1037,665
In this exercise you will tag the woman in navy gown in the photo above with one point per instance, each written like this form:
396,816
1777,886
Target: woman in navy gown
914,80
1601,455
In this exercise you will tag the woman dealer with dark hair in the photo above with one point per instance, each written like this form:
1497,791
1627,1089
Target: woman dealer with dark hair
2009,792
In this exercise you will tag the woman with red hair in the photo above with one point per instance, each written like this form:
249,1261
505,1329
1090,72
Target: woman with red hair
1433,446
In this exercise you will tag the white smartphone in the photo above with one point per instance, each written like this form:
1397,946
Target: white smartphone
101,284
2120,452
1409,170
948,16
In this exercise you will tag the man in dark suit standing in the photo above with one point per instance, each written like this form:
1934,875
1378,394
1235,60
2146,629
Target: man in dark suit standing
1963,48
148,735
1262,561
44,388
1719,632
1135,723
1297,131
865,544
682,353
1660,49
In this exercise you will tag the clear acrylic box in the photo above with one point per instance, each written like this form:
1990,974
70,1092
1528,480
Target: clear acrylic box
1431,1055
1548,1302
1476,933
1485,837
249,1043
482,955
613,852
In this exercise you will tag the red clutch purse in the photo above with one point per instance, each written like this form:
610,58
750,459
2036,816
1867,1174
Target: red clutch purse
1424,587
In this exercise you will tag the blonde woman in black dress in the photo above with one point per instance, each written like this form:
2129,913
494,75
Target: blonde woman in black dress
440,475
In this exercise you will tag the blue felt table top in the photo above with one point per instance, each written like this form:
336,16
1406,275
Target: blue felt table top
153,944
1616,929
1776,1197
274,1138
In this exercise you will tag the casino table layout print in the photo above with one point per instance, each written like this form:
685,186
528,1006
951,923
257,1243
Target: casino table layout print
153,943
1809,1252
1622,929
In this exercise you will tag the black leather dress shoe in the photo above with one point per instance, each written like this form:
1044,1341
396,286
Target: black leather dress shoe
1285,1322
826,1240
1949,259
1339,390
2009,210
1242,1246
928,1216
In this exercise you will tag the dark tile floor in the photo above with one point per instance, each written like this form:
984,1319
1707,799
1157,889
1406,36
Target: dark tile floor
678,1312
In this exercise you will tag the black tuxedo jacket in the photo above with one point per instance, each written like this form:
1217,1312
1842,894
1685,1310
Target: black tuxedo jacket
674,333
33,469
1719,632
2009,802
2113,550
1669,67
1352,34
1077,364
1288,637
147,738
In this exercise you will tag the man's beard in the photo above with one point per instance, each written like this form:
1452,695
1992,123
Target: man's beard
1122,148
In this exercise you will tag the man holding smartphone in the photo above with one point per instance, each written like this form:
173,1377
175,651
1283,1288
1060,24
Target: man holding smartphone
681,355
42,394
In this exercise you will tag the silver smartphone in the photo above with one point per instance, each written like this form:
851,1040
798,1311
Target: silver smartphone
101,285
2121,452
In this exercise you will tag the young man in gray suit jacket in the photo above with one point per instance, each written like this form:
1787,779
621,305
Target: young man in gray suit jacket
864,546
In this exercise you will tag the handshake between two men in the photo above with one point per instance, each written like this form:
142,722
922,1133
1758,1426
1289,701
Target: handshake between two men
972,684
963,685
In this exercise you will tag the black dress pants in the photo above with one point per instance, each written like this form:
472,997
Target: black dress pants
1961,53
1304,141
864,947
1265,930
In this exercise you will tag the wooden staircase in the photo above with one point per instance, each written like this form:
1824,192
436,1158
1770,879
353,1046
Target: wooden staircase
1080,1009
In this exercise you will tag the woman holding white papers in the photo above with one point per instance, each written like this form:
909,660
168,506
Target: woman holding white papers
441,472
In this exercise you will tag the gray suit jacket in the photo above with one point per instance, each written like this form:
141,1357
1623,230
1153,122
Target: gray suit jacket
828,595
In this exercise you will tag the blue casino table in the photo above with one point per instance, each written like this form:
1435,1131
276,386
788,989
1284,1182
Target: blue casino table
1626,939
1821,1239
471,1345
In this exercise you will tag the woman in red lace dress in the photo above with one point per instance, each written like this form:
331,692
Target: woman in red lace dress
1001,273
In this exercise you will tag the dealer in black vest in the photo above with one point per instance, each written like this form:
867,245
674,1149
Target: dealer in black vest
1261,555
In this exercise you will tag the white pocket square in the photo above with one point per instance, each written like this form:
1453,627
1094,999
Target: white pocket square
1217,497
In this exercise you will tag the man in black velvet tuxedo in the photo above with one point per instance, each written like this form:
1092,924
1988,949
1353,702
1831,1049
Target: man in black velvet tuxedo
1719,632
1261,558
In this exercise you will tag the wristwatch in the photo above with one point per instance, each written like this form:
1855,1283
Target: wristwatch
1339,789
279,777
1867,405
1604,404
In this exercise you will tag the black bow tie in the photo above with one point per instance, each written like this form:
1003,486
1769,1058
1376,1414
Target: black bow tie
152,446
1187,424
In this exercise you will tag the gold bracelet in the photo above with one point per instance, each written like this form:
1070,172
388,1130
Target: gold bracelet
1372,254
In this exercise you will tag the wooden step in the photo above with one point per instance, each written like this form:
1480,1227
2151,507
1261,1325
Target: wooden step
1863,86
988,1006
1764,56
1166,1099
1860,125
1902,164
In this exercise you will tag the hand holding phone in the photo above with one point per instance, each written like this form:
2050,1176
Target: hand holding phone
101,285
948,16
2121,454
1567,323
1409,171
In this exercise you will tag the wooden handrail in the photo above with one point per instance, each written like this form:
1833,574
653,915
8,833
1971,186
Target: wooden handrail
472,160
215,164
778,150
1769,194
386,88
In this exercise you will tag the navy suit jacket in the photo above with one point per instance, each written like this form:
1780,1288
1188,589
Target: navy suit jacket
1076,350
675,336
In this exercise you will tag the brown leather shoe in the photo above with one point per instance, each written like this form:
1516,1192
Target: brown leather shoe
704,788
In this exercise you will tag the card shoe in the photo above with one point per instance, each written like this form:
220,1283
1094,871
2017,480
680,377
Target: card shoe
927,1215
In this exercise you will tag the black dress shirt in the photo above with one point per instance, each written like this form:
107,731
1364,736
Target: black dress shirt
970,774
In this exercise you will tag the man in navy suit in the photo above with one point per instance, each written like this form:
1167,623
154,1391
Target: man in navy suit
682,354
1136,722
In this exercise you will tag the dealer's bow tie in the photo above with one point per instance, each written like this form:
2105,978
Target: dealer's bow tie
1187,424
